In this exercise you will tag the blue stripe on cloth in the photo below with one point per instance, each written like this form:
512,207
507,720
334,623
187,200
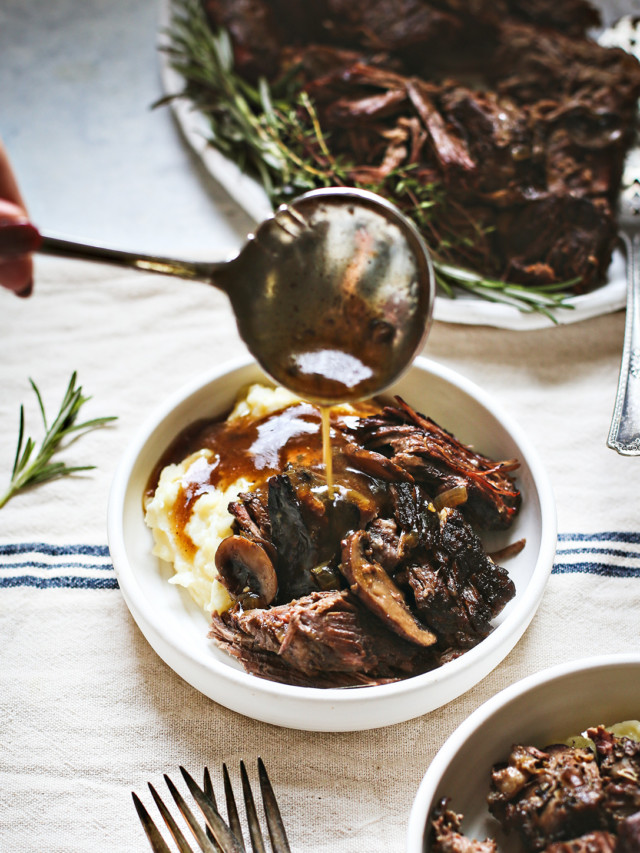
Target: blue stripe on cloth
607,553
66,582
42,565
608,570
605,536
53,550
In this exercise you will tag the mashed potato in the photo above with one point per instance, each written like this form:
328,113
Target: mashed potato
193,561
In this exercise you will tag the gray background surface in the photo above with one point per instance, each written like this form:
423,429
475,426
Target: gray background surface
94,161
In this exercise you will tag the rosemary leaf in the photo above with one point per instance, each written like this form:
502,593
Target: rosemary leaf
544,300
25,472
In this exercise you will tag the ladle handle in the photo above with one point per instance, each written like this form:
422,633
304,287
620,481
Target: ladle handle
192,270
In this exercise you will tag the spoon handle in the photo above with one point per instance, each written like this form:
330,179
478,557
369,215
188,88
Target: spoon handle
192,270
624,435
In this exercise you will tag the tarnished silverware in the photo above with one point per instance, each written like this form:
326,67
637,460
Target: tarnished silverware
624,433
216,835
333,294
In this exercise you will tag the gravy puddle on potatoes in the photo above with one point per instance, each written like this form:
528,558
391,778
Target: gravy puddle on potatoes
258,449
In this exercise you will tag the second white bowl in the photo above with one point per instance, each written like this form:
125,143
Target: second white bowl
545,708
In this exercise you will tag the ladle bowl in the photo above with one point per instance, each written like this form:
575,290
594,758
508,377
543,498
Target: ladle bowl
333,294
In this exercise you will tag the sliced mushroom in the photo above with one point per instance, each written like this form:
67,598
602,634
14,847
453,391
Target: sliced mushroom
246,570
377,590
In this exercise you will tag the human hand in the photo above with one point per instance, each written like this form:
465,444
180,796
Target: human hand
18,237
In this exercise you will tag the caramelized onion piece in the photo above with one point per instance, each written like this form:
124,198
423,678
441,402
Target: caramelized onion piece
246,570
378,592
451,497
508,551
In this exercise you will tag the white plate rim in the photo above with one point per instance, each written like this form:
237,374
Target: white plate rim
463,310
485,656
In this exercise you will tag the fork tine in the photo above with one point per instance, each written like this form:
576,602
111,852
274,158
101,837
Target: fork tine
221,832
174,829
207,787
279,840
205,845
217,836
157,842
232,809
255,833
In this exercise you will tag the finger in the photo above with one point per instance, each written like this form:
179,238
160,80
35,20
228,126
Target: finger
11,212
17,274
8,184
18,238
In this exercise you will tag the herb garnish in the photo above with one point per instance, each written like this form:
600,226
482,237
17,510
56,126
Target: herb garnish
29,472
273,133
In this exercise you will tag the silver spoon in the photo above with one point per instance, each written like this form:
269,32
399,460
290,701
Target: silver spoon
333,295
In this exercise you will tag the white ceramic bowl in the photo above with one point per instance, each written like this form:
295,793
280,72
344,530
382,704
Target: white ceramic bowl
545,708
177,629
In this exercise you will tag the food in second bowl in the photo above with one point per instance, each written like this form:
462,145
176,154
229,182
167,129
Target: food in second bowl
582,796
381,577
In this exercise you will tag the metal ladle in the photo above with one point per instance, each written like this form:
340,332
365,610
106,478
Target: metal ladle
333,295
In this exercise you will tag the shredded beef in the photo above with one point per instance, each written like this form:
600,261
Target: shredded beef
457,588
446,836
547,795
619,760
599,841
251,517
629,834
422,588
531,152
437,460
561,799
325,639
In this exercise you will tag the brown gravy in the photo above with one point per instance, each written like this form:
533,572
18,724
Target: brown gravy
256,449
332,370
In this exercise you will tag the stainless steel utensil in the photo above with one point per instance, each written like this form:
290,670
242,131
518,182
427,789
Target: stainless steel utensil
217,834
624,433
333,295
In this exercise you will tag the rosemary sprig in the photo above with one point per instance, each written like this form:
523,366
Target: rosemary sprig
273,132
542,299
31,468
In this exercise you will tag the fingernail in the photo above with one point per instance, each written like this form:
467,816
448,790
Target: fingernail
26,291
18,238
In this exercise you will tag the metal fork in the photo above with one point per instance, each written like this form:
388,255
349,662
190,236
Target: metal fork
218,835
624,433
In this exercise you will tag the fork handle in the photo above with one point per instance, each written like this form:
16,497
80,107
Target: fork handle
624,434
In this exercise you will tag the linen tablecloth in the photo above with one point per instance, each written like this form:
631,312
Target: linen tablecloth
88,712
